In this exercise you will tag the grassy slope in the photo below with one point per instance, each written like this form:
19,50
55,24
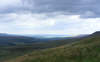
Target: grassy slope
10,52
86,50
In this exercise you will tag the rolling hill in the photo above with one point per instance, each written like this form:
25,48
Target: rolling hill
13,40
15,45
86,49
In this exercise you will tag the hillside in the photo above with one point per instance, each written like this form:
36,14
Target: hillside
84,50
12,46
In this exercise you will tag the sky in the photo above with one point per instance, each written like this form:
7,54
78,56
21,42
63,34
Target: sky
65,17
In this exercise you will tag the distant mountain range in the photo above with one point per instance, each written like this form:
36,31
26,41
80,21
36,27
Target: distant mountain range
47,35
11,39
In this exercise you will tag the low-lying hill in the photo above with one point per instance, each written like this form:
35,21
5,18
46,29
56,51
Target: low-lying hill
13,40
86,49
14,45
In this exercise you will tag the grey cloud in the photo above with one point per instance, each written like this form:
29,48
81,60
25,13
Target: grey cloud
80,7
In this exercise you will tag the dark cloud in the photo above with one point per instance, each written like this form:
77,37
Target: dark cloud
81,7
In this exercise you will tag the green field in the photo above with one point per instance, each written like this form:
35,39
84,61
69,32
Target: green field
84,50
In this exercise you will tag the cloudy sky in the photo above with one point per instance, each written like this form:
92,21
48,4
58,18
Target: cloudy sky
68,17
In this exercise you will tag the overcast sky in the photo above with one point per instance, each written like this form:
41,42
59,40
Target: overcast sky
68,17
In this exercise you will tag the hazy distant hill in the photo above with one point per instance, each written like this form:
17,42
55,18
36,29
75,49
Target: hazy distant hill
13,40
7,39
